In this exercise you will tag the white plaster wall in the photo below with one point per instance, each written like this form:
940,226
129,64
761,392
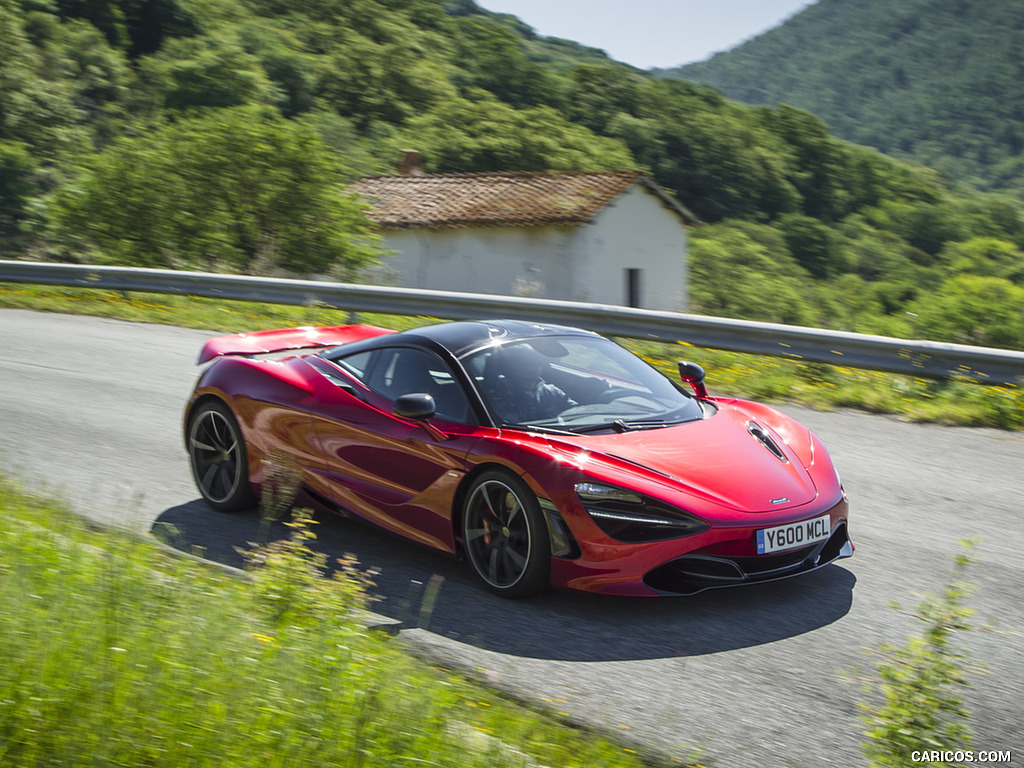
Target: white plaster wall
583,263
512,261
636,231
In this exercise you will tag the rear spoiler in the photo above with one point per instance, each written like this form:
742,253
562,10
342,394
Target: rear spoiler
262,342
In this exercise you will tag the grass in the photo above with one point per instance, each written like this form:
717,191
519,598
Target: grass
769,379
826,387
919,691
116,653
222,316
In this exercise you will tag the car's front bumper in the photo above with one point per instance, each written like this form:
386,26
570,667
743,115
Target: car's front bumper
690,574
722,556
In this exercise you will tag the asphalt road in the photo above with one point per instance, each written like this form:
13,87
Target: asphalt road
766,675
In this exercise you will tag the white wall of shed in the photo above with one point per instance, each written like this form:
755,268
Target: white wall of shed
579,263
511,261
636,231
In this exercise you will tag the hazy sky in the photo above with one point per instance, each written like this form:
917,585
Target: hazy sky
652,33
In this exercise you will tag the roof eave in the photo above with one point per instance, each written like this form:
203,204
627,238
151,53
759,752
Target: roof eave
393,226
689,217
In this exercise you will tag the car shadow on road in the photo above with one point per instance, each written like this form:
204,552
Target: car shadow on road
566,626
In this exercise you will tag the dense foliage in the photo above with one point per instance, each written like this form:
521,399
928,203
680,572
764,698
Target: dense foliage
219,134
239,188
117,654
936,81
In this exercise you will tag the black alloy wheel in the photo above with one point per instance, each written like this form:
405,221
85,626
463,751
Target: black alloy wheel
504,535
218,457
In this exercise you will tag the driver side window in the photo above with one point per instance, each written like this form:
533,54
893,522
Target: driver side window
403,370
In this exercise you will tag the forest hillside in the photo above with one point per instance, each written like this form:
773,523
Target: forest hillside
934,81
221,134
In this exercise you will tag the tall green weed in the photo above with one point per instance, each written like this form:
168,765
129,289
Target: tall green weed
115,653
921,682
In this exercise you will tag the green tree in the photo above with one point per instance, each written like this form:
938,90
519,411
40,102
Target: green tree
812,244
743,270
294,73
984,256
926,226
1000,216
486,135
101,75
368,80
721,164
36,105
971,309
600,92
211,71
233,190
873,253
822,171
106,16
369,60
17,167
492,58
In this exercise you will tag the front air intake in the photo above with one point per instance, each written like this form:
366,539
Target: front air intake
690,574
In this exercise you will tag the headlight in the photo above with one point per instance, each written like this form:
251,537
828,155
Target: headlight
595,492
628,516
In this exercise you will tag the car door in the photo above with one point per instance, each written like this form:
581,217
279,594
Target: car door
398,472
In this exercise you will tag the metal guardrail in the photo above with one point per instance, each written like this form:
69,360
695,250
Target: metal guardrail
930,359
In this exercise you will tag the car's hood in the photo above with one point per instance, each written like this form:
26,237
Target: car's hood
717,458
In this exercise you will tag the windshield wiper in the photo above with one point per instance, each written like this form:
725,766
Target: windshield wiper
653,423
616,426
537,428
620,425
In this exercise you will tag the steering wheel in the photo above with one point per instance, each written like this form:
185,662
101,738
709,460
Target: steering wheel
614,393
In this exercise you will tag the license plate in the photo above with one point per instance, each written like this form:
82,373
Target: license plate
793,535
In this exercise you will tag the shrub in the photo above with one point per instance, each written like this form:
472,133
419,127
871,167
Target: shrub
920,682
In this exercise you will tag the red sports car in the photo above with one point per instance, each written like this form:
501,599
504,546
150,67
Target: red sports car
543,455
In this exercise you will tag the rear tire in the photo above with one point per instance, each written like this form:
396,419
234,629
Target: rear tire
220,462
504,535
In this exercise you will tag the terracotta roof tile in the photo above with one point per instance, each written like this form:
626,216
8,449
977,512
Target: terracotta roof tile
440,201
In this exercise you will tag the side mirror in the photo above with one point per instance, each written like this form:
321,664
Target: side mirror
693,374
415,405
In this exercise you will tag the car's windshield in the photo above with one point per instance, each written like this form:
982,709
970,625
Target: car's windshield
576,384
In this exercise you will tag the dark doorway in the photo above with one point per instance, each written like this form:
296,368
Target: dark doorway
633,287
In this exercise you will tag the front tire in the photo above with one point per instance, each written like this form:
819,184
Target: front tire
220,462
504,535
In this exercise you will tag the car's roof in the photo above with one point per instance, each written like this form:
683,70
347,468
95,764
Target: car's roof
462,337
